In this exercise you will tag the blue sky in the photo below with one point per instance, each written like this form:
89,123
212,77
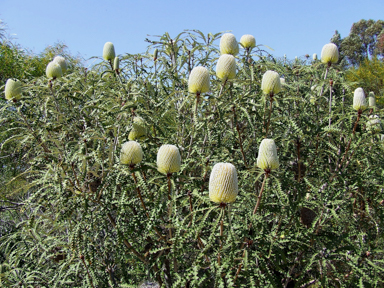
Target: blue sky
294,28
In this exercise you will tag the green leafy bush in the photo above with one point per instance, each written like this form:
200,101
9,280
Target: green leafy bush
88,221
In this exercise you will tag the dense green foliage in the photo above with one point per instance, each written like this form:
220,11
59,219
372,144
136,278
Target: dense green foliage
81,222
19,63
370,75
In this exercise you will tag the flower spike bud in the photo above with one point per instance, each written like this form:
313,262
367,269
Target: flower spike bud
359,102
248,41
199,80
314,56
226,67
155,54
116,64
168,159
267,158
372,99
330,54
12,89
62,62
282,81
139,131
228,44
271,83
131,153
109,51
54,70
223,186
374,123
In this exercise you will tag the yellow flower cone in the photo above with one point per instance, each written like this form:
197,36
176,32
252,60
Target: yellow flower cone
109,51
228,44
267,158
271,83
12,89
198,80
138,131
372,99
54,70
359,102
248,41
226,67
62,62
374,123
168,159
131,153
116,63
223,187
330,53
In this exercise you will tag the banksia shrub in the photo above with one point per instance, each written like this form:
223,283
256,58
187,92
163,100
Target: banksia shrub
226,67
374,123
62,62
248,41
330,53
168,159
371,100
271,83
267,158
12,89
138,131
223,186
198,80
109,51
54,70
131,153
228,44
359,102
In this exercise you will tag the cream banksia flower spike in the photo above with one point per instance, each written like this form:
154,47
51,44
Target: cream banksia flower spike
62,62
248,41
374,123
372,99
271,83
228,44
199,80
330,54
139,131
116,64
223,186
168,159
267,158
54,70
131,153
359,102
314,56
226,67
12,89
109,51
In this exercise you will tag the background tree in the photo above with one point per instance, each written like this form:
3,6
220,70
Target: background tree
363,41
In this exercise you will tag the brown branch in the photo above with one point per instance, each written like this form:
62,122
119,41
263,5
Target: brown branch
266,175
269,117
239,132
